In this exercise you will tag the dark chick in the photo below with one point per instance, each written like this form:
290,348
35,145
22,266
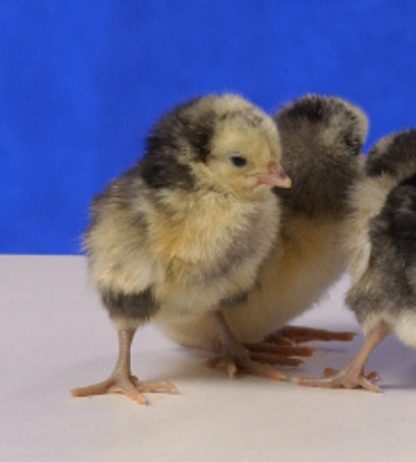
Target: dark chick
187,227
321,141
381,240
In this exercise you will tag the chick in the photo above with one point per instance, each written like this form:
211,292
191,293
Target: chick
187,227
380,237
321,142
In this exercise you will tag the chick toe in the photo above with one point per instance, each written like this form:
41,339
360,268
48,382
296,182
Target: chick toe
284,350
262,368
130,386
282,354
348,378
298,334
115,384
159,386
273,359
353,375
237,358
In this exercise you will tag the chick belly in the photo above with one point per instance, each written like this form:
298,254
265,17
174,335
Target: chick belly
181,304
289,283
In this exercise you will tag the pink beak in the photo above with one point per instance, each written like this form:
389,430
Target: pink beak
276,177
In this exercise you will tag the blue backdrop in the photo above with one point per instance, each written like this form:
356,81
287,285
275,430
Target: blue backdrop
82,81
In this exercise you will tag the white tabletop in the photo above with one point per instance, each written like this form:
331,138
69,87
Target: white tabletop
55,335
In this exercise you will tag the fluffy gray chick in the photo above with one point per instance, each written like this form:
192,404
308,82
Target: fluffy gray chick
187,227
381,240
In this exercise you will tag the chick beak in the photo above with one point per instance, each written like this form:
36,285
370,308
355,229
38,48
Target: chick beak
275,177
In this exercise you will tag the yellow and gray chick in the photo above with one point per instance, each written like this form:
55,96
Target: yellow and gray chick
187,227
321,141
381,240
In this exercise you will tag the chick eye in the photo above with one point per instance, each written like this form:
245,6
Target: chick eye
238,161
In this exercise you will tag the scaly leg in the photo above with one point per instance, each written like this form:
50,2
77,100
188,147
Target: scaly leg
236,357
353,375
121,380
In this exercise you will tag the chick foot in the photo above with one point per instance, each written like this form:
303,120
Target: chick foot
353,375
129,386
347,378
121,380
292,335
237,358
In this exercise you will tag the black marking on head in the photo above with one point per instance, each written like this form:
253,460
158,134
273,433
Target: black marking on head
164,171
134,306
401,150
313,109
320,113
321,138
189,123
185,131
199,134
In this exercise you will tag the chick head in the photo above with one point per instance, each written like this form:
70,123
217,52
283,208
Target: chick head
331,127
393,155
321,138
220,143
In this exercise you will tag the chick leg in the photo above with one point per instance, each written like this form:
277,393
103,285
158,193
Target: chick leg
121,380
236,357
353,375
